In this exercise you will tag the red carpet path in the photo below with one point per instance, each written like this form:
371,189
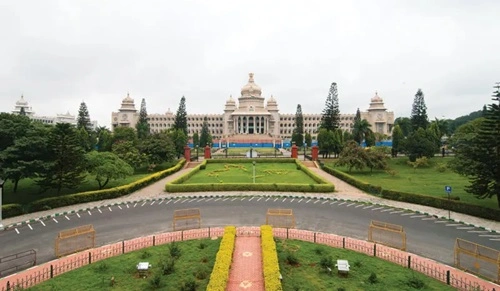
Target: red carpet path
246,268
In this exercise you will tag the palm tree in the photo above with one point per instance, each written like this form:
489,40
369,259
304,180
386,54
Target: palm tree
361,130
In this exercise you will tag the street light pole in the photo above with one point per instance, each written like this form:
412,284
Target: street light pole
253,172
1,194
196,152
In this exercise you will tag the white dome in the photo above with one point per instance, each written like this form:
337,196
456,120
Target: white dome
251,89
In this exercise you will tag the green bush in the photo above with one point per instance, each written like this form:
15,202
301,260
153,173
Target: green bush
97,195
11,210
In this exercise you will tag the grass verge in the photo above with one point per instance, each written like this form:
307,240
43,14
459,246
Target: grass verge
175,266
303,267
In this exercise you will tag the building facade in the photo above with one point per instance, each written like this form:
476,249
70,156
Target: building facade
253,115
59,118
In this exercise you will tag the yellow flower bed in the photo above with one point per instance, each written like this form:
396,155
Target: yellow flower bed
220,272
270,265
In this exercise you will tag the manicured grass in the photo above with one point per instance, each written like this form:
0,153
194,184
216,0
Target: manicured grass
243,173
308,274
428,180
195,263
28,190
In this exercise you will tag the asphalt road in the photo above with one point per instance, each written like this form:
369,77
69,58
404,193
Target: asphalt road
426,235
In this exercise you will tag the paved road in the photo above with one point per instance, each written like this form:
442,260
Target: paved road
426,235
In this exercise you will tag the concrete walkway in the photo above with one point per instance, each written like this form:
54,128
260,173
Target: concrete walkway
343,191
246,267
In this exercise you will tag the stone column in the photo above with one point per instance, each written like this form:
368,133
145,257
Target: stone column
314,153
207,154
295,151
187,153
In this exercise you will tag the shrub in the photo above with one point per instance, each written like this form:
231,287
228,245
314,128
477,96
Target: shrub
326,262
270,263
145,255
168,267
441,167
415,282
220,271
101,267
11,210
155,281
372,279
201,272
202,245
292,259
189,285
174,250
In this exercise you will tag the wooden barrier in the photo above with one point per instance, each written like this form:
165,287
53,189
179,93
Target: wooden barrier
74,240
188,216
392,235
277,217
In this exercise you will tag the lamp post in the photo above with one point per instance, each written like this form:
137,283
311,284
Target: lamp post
1,194
253,171
305,145
196,152
251,152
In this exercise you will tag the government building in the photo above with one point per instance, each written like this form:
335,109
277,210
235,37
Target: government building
22,104
253,116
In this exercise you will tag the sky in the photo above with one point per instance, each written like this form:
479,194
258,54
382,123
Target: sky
60,53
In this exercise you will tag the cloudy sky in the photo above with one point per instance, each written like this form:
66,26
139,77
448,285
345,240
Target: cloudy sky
59,53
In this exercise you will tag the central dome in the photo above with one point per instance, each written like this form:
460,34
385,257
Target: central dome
251,89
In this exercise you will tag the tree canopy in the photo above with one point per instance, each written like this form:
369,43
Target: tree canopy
142,125
181,117
330,118
419,117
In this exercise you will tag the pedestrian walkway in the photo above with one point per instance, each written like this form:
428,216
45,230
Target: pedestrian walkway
246,267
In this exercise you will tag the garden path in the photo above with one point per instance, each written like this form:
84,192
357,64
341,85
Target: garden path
246,267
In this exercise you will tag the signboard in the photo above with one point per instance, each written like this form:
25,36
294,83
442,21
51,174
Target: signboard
447,189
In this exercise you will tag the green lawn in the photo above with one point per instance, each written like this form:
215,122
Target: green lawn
308,274
28,191
428,180
243,173
194,264
243,151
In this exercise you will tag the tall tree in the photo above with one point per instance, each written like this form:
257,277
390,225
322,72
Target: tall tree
104,139
405,125
478,153
106,166
26,157
83,119
298,131
181,117
142,125
205,136
397,139
179,140
158,148
196,139
330,118
308,139
65,166
419,117
361,130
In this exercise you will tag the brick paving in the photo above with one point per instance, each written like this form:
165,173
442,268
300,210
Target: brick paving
246,268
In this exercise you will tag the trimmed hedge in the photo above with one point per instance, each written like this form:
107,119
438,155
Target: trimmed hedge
369,188
89,196
220,272
437,202
443,203
11,210
270,265
178,186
